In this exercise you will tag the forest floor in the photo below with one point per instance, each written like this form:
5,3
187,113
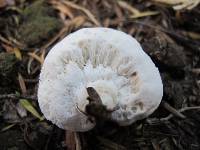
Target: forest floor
168,32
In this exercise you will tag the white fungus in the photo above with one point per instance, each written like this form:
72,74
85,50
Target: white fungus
110,61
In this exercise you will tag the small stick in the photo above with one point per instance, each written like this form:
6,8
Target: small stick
15,97
172,110
180,110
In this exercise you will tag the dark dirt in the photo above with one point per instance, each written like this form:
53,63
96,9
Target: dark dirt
171,38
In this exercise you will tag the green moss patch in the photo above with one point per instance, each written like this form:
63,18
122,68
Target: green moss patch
38,24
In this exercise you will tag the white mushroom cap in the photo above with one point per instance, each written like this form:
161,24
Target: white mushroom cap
110,61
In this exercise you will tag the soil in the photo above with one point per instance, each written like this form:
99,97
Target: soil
170,37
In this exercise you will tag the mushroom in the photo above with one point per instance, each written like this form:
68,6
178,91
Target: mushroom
102,60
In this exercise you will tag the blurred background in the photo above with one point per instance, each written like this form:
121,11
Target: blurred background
169,32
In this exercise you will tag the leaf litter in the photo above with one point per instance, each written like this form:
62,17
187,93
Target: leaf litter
168,31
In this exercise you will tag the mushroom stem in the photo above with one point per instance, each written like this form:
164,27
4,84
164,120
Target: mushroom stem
95,108
72,140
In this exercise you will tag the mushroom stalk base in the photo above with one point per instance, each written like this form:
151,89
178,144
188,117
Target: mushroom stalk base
72,140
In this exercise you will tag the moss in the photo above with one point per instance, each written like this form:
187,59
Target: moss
38,8
36,31
8,72
9,67
38,24
7,64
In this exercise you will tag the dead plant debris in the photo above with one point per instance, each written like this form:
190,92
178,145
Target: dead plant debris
169,32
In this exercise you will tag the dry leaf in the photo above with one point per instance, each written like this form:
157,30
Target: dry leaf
7,127
193,35
15,50
86,11
18,53
42,56
77,22
144,14
28,106
64,10
170,2
22,84
180,4
136,13
29,65
125,5
40,59
7,48
196,71
5,40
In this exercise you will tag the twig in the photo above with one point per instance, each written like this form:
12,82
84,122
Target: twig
31,80
22,84
5,40
60,33
180,110
86,11
172,110
16,96
8,96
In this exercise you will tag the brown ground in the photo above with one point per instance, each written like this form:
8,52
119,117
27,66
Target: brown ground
171,37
